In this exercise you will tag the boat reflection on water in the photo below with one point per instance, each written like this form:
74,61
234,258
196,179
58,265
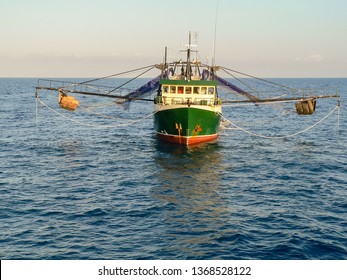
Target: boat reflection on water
196,213
189,167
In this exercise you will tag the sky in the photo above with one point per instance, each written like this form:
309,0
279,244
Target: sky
94,38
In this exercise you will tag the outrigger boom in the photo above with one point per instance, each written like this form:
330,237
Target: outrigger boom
98,89
273,100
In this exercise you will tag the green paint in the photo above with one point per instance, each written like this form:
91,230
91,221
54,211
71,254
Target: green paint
187,121
188,83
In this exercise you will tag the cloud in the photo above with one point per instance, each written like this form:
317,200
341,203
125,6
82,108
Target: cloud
315,57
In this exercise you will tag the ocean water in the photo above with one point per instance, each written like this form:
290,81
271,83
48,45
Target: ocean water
109,191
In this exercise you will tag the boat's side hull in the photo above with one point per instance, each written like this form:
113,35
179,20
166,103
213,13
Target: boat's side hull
187,125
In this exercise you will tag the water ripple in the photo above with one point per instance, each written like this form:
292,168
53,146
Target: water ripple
71,192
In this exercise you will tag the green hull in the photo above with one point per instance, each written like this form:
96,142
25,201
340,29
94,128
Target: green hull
187,122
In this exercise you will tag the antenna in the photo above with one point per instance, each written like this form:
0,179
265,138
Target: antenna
196,37
215,36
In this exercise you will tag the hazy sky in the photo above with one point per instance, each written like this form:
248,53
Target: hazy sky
91,38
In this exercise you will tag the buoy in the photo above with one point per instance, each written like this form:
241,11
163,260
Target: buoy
67,102
306,107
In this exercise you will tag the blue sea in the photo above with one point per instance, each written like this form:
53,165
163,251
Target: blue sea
79,186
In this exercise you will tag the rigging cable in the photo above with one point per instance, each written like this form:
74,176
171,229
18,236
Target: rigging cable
215,35
118,74
37,108
93,125
284,136
127,82
260,79
73,84
241,81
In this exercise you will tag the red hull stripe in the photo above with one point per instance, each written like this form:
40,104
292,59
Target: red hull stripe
184,140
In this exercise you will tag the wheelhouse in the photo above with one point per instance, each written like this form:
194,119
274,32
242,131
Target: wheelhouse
188,92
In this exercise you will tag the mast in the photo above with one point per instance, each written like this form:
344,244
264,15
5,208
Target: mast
165,65
188,57
187,73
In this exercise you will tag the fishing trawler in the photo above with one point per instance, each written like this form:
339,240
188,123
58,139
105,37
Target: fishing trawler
187,104
187,107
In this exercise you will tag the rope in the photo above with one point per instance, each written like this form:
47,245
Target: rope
284,112
93,125
285,136
88,107
89,110
263,80
118,74
99,87
241,81
258,122
37,109
127,82
236,104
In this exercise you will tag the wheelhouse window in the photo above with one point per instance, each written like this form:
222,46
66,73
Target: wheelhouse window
165,89
170,89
